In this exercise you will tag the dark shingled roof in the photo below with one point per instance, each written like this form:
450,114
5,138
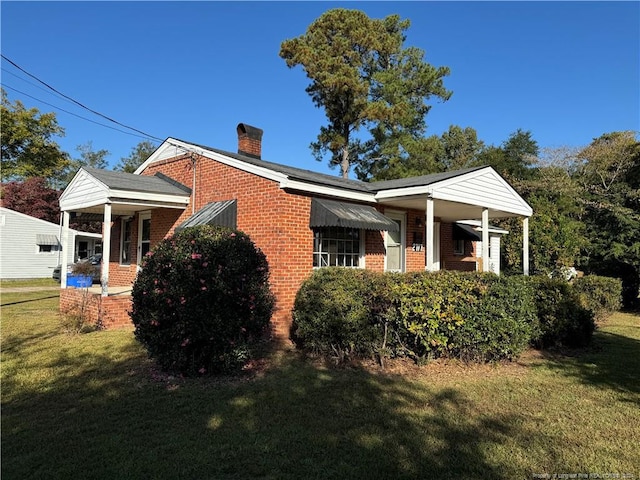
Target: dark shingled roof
138,183
339,182
419,181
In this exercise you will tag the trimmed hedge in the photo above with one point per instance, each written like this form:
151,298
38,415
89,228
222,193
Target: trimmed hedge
601,295
201,300
563,319
347,313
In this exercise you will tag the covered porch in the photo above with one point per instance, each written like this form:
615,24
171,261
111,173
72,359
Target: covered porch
472,197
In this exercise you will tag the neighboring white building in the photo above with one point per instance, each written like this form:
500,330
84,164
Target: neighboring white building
31,248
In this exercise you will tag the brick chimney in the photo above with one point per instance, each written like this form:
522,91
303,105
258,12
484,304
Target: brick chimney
249,140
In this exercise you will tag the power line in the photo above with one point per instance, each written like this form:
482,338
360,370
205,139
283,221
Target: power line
76,115
78,103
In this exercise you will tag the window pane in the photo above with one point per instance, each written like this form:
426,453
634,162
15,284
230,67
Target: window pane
393,257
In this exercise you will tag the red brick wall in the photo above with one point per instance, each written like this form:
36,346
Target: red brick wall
110,312
451,261
277,222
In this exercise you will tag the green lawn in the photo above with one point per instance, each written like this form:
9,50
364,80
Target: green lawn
92,406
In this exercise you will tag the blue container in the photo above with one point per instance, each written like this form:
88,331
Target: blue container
79,281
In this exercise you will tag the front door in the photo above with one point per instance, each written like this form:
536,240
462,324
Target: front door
144,236
395,245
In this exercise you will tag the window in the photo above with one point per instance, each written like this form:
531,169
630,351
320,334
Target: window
337,247
47,243
125,242
47,248
458,247
145,239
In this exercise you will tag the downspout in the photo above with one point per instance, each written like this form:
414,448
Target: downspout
193,184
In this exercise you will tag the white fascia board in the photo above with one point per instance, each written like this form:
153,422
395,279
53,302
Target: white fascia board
283,180
395,193
478,224
78,204
231,162
127,195
146,204
327,190
523,211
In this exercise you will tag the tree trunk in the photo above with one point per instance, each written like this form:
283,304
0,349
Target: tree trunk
345,163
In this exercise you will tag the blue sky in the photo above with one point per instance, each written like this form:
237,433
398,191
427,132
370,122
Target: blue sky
566,71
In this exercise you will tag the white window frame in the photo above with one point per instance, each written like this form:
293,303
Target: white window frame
141,218
361,248
402,218
123,222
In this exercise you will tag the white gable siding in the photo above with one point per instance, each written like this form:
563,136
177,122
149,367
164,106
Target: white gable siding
85,191
484,188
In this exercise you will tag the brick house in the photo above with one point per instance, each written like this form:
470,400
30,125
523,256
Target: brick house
300,219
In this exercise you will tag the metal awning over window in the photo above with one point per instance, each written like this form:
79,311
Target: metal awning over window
330,213
42,239
214,213
465,232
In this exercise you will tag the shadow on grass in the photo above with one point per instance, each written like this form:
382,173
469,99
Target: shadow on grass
104,414
30,300
612,362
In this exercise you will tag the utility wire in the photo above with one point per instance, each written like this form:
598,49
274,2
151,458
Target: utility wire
76,115
78,103
33,84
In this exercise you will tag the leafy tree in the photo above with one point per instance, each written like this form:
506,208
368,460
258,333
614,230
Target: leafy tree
32,197
461,148
515,158
423,160
610,175
556,230
362,77
88,158
27,148
137,157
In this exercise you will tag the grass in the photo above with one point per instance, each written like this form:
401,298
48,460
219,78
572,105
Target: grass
93,406
32,282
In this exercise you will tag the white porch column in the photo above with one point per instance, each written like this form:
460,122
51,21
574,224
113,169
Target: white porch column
485,240
525,245
429,236
65,249
106,249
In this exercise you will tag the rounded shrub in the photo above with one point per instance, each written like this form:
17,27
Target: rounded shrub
333,313
601,295
563,319
201,300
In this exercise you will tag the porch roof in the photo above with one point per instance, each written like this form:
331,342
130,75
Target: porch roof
92,188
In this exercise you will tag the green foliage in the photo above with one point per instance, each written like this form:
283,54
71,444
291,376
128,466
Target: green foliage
334,314
609,172
601,295
500,320
563,319
347,313
137,157
202,300
27,148
361,76
88,158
